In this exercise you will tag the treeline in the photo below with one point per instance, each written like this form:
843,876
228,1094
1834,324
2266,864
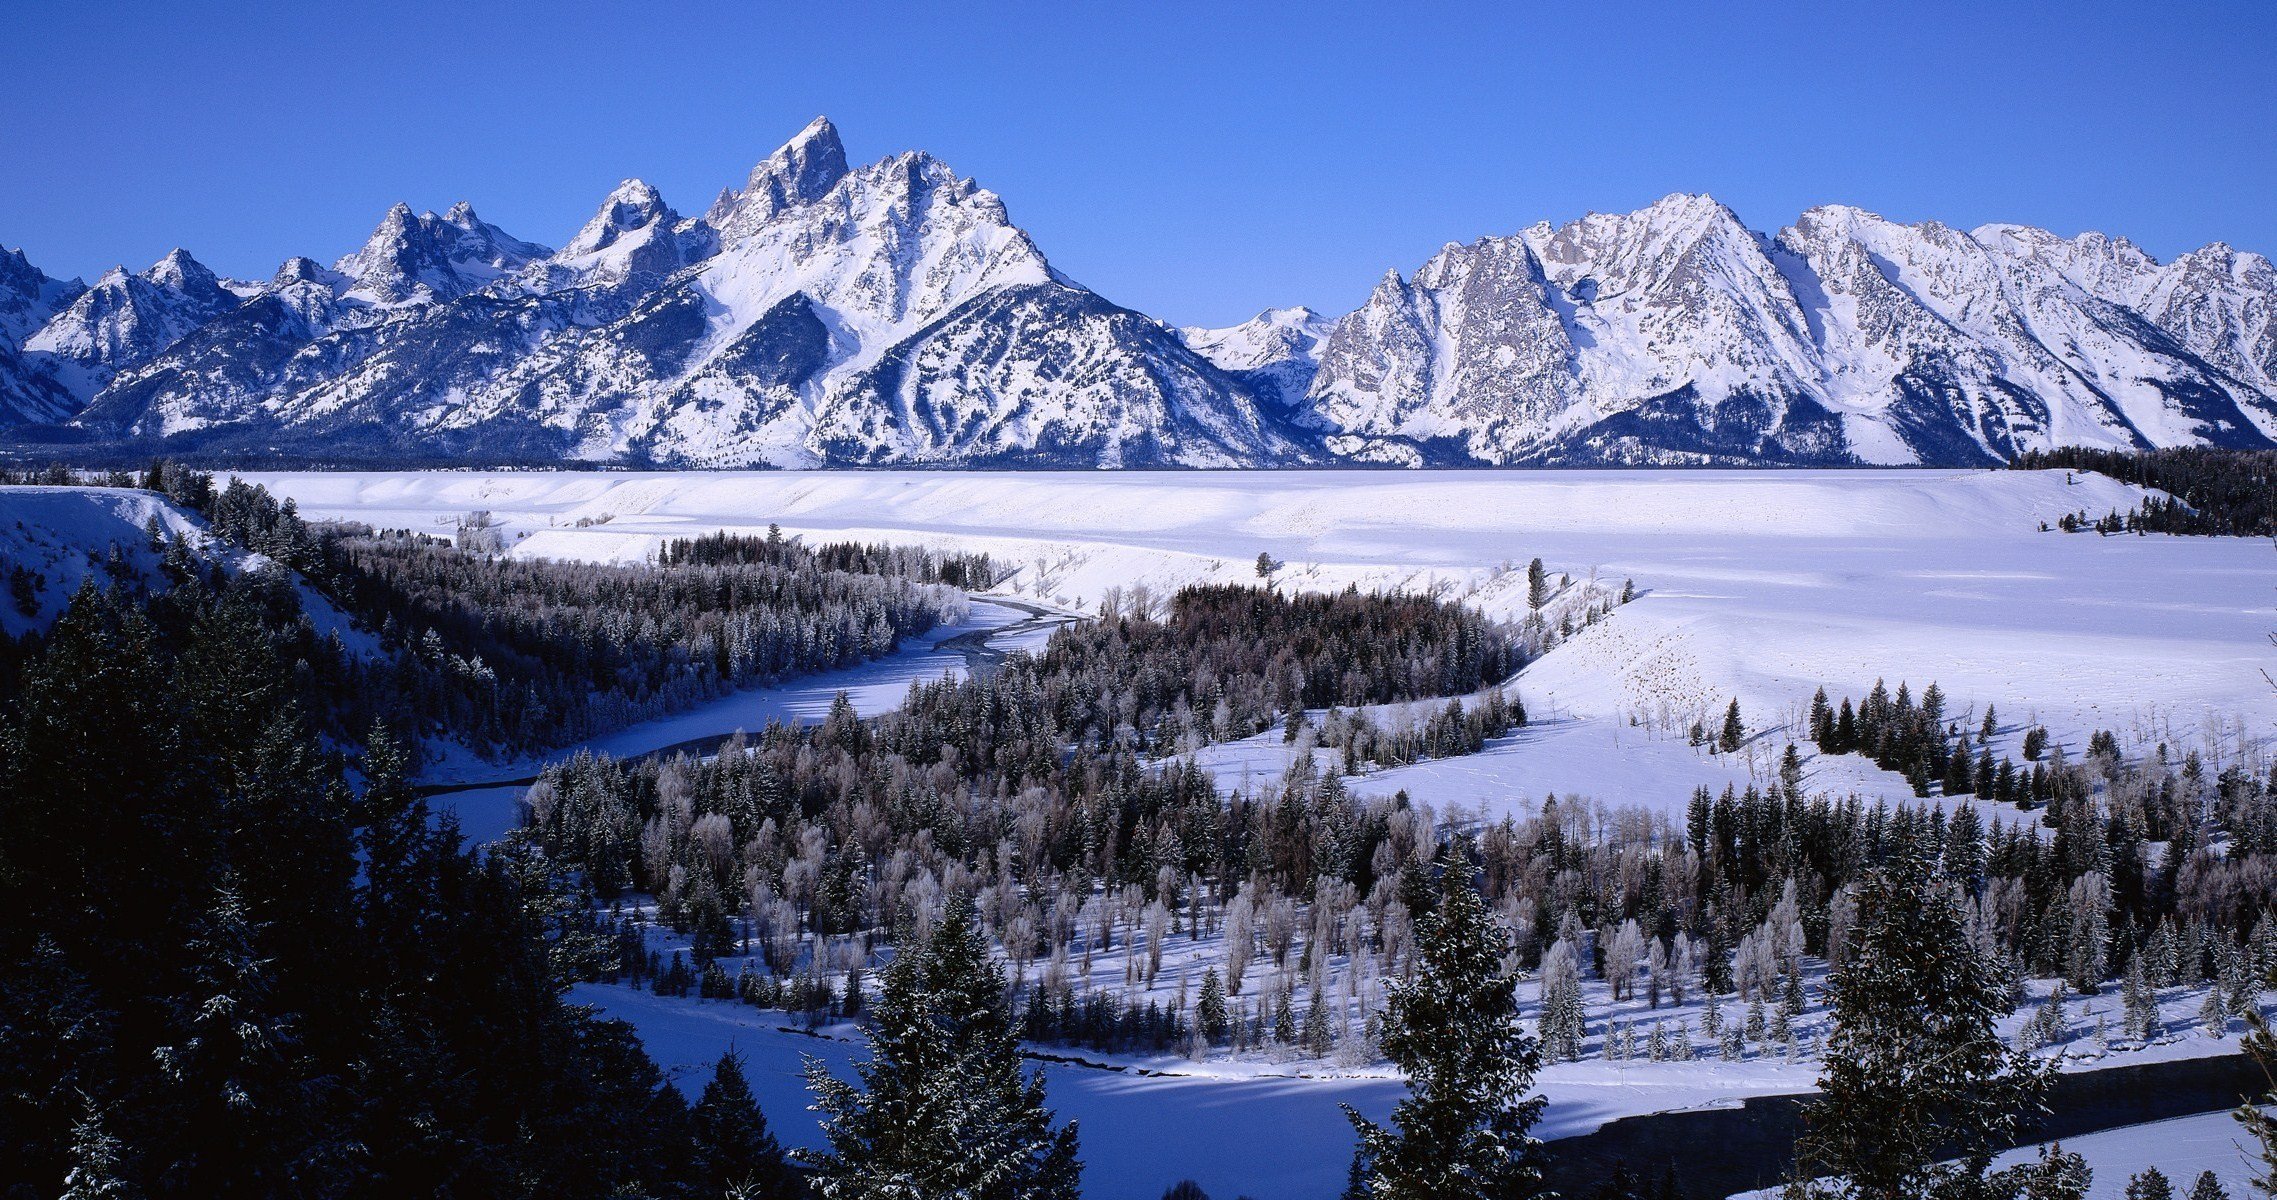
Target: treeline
1228,661
227,972
1918,741
973,572
2217,491
516,654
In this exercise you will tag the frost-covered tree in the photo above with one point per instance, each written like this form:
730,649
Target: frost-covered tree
1915,1068
1561,1018
1463,1130
2261,1046
2058,1174
944,1108
2141,1003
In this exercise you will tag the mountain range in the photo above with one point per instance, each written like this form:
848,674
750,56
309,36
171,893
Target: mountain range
825,314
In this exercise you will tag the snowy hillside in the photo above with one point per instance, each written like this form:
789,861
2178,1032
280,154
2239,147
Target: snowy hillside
825,313
65,537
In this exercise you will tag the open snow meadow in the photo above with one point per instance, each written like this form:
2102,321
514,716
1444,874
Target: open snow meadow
1760,587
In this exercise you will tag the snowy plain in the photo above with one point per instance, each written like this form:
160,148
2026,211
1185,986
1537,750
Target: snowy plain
1755,585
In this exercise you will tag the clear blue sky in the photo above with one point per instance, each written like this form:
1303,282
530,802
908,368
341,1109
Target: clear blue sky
1181,159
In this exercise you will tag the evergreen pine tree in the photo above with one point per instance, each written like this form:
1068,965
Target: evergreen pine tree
1734,732
2150,1184
1210,1008
97,1170
1915,1068
1453,1029
736,1155
2208,1187
944,1108
2261,1047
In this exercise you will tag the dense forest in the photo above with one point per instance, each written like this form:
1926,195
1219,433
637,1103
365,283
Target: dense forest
228,971
824,830
2216,491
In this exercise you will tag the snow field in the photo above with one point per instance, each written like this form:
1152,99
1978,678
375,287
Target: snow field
1755,585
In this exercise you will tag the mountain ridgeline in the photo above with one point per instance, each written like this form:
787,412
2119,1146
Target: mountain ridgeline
826,314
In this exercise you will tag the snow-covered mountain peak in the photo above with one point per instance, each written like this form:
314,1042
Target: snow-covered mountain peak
126,319
29,296
634,205
802,170
634,235
1270,336
302,269
179,271
423,258
887,248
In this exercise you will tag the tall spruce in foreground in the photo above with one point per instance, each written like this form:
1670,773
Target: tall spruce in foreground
1453,1029
1916,1070
736,1156
944,1108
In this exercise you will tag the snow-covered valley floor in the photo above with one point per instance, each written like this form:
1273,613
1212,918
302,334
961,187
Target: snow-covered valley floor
1760,585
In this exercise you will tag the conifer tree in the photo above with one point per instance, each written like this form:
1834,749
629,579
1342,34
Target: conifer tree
1734,732
1561,1017
943,1108
1915,1068
2208,1187
1453,1028
736,1155
1210,1008
2150,1184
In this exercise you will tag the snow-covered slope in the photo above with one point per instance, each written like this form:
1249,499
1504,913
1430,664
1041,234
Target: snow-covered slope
1676,334
1277,351
65,537
1752,584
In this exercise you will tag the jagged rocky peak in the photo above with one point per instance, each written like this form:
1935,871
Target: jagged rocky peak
302,269
422,258
126,319
180,272
634,205
801,171
29,296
